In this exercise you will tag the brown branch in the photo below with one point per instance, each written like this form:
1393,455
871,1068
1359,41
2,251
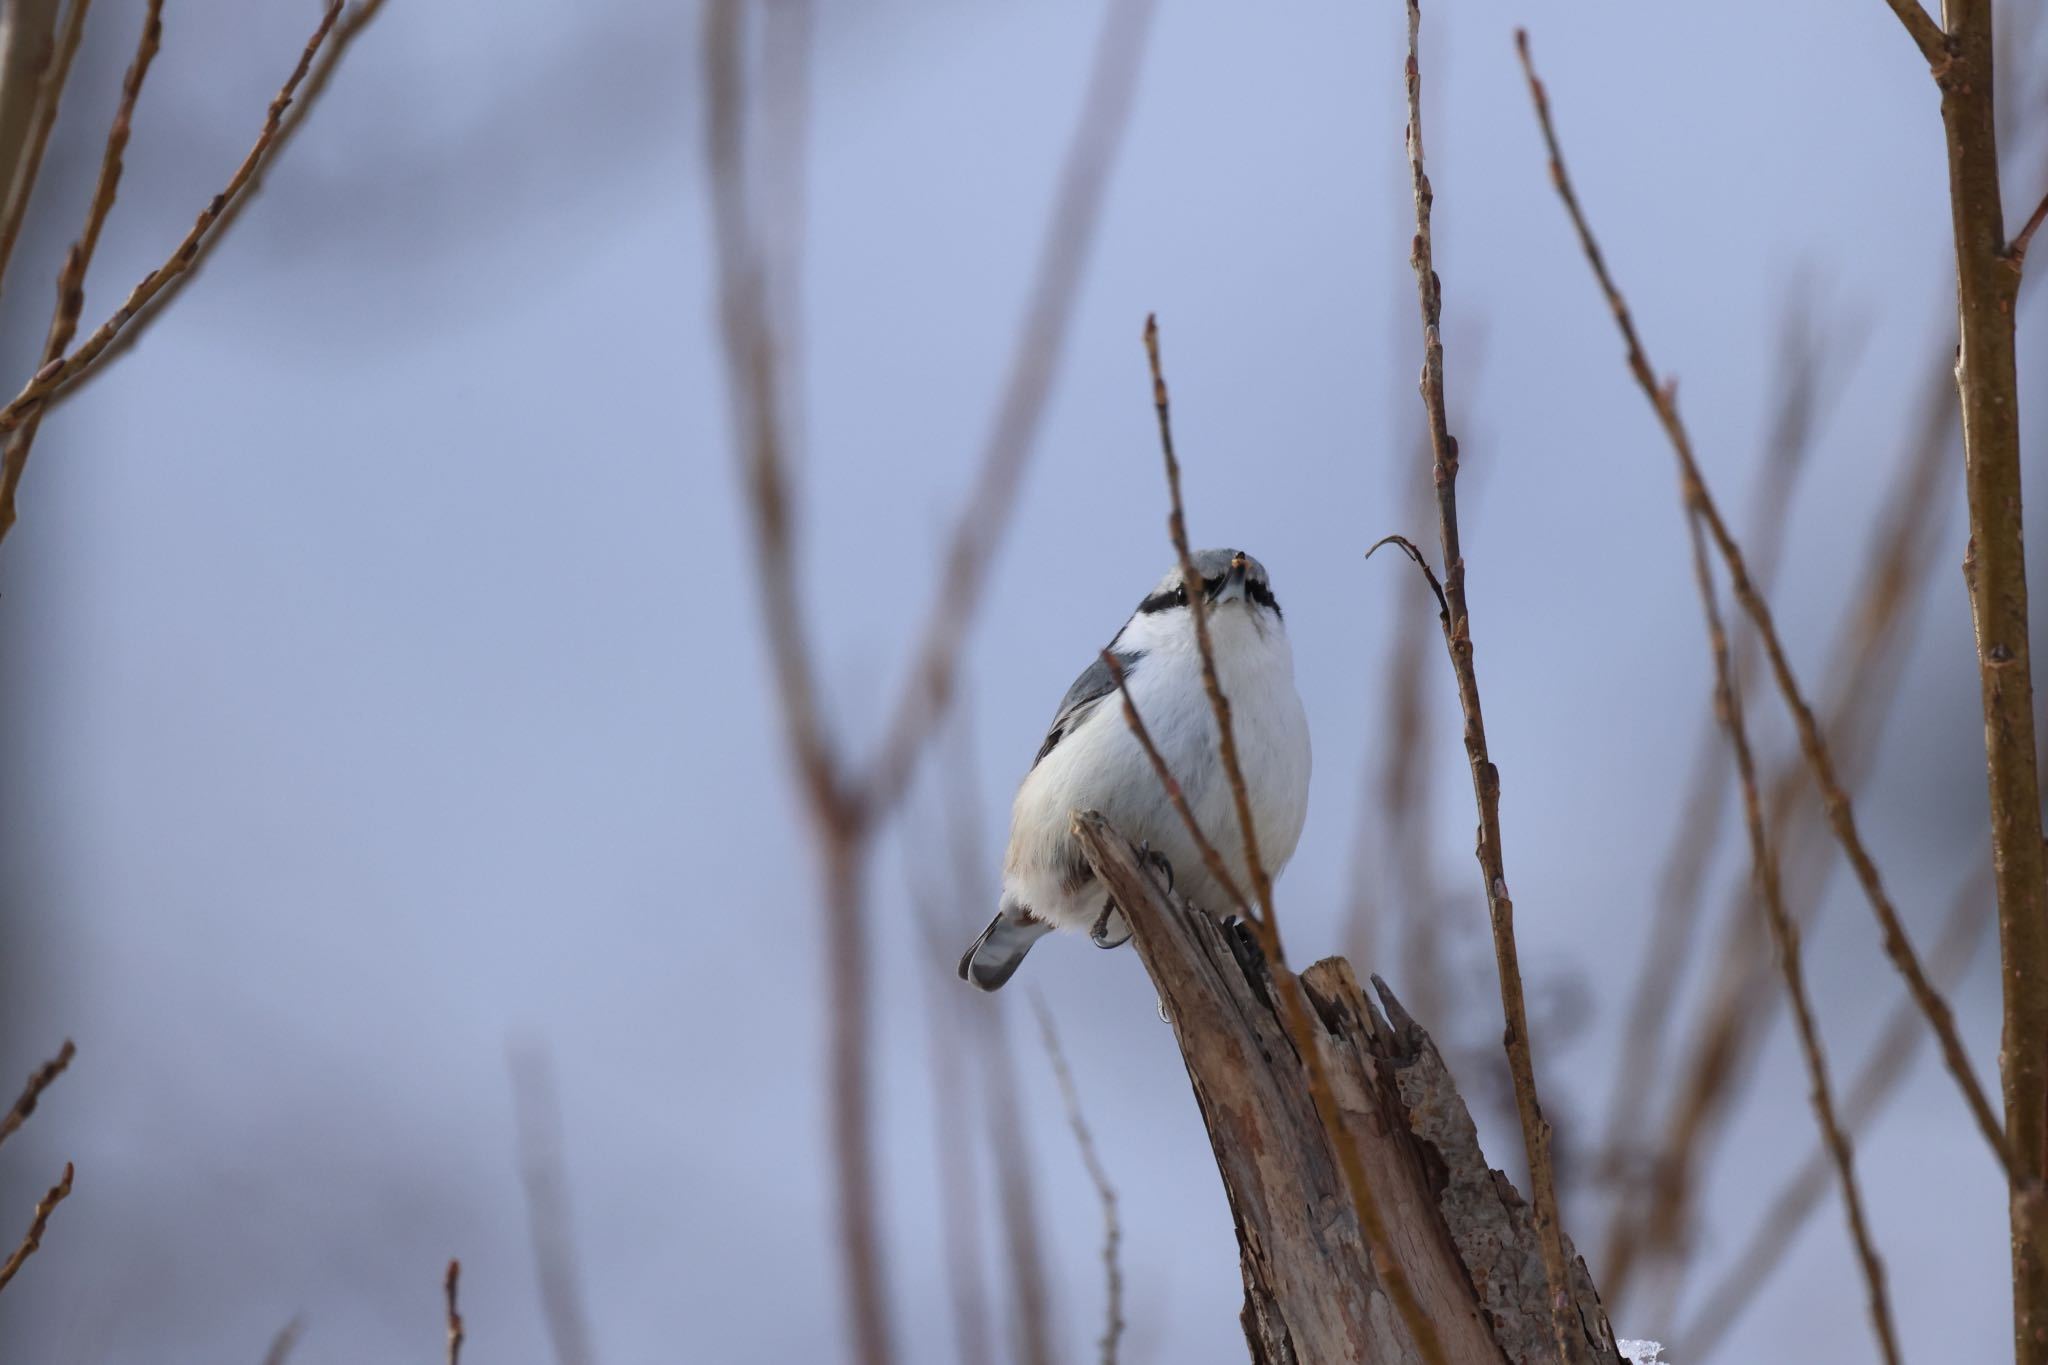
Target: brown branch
1112,1231
1841,816
537,1123
1751,1268
282,1345
1219,705
1866,681
33,1238
1785,933
71,275
38,1081
455,1334
2016,252
23,412
1264,925
21,184
1485,776
1211,859
1924,31
1681,887
345,33
1062,260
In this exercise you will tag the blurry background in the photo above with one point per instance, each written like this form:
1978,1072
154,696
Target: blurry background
384,696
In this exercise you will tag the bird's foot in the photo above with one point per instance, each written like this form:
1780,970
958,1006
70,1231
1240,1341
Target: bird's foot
1152,857
1103,934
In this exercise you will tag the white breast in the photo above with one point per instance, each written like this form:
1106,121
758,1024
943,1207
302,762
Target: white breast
1100,766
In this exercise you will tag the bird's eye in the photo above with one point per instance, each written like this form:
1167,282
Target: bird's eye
1180,596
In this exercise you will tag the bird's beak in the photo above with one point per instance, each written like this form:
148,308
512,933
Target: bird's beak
1233,582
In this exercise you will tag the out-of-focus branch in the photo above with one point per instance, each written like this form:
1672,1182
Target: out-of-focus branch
1112,1231
1062,260
1485,776
1921,28
449,1283
33,1238
282,1344
38,1081
537,1122
1751,1268
59,369
1785,933
33,62
1898,947
2017,251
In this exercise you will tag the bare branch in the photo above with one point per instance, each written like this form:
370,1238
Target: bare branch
537,1111
1764,864
1219,705
22,411
33,1238
282,1344
1265,928
1062,260
2016,252
449,1284
1921,28
1751,1268
345,34
20,185
1112,1232
1457,623
38,1082
1211,859
1836,801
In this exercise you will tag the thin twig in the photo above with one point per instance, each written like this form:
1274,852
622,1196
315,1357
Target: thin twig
49,93
1751,1268
316,82
448,1288
1898,947
33,1238
2016,252
1485,776
1062,260
1112,1231
1920,26
39,1081
22,412
537,1122
1865,683
1682,885
1764,864
78,261
1264,926
1226,733
282,1344
1211,859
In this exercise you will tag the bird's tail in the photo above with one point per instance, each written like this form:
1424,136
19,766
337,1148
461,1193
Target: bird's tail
994,957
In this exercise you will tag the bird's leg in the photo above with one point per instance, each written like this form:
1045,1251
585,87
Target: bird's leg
1099,935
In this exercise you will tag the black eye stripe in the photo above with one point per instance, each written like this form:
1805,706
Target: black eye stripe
1177,596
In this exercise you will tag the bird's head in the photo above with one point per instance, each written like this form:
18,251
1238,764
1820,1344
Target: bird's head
1228,578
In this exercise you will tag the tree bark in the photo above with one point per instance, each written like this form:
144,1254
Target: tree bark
1314,1291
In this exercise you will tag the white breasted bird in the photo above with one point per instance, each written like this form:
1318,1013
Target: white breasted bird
1090,760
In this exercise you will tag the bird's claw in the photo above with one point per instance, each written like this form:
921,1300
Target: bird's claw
1099,934
1152,857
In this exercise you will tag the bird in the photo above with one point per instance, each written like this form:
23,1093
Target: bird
1090,760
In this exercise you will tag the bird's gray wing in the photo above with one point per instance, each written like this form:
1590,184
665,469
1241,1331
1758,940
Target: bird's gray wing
1095,683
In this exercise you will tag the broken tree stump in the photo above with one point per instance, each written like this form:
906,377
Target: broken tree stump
1457,1227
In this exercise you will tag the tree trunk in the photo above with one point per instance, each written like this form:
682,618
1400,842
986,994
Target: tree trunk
1314,1292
